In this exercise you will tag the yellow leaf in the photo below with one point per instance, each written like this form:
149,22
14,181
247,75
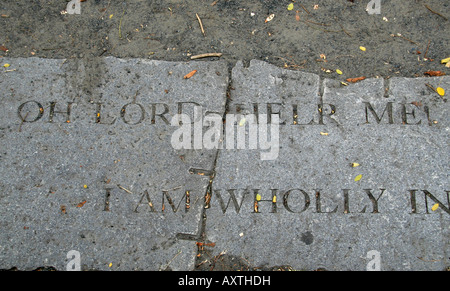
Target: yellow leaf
323,133
242,122
111,16
355,165
274,199
258,197
110,265
440,91
444,61
290,6
362,48
6,65
357,178
435,207
85,186
339,72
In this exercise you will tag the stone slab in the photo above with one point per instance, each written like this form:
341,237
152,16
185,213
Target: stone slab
79,180
307,208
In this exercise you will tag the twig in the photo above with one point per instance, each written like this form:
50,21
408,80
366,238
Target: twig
307,22
420,258
207,55
407,39
304,8
104,9
179,252
344,30
318,23
437,13
216,259
124,189
120,23
292,64
434,90
201,24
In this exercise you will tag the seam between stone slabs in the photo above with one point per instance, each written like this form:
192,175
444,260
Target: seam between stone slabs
201,236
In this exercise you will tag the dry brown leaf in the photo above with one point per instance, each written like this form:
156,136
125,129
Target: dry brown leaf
81,204
435,73
354,80
2,48
190,74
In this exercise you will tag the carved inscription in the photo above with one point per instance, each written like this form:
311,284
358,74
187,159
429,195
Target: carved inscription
134,113
293,201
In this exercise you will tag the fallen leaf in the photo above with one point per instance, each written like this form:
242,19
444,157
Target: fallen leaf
290,6
418,104
339,72
354,80
435,207
444,61
81,204
434,73
440,91
357,178
190,74
274,199
258,197
200,244
323,133
6,65
63,209
355,165
362,48
447,65
2,48
269,18
255,207
110,265
297,16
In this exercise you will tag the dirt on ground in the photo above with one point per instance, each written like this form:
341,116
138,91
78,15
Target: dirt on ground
333,38
407,38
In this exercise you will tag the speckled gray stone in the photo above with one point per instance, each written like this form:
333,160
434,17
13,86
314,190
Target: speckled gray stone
79,182
322,217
